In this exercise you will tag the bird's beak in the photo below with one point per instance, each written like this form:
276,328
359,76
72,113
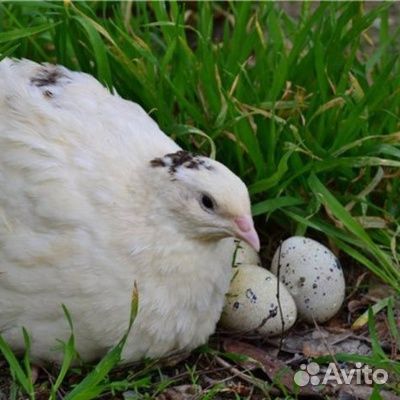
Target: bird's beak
244,229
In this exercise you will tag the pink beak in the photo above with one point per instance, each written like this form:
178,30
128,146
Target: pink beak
247,232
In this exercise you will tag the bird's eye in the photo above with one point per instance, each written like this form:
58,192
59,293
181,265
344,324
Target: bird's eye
207,202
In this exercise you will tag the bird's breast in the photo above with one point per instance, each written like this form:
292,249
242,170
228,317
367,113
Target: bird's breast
180,299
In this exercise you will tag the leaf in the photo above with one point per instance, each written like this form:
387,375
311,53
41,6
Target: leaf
18,34
15,368
355,228
373,334
99,50
69,356
270,205
393,324
337,209
271,181
363,319
336,102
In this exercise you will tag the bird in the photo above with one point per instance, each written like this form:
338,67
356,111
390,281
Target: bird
94,199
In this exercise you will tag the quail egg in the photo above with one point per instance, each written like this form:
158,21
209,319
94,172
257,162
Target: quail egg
244,254
251,303
240,252
313,275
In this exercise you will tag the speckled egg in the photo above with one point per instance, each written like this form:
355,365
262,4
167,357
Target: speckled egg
251,303
313,275
245,254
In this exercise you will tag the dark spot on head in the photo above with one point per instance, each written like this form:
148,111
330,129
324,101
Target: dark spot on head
324,294
307,300
236,305
48,93
157,162
314,286
194,164
331,269
48,76
181,158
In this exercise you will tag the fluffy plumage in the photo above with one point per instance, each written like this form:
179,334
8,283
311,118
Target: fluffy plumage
93,197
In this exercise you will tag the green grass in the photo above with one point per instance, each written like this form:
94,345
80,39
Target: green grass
306,110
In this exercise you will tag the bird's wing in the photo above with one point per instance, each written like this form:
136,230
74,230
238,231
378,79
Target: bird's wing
64,138
69,151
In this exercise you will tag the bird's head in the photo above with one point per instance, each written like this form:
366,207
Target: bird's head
208,201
